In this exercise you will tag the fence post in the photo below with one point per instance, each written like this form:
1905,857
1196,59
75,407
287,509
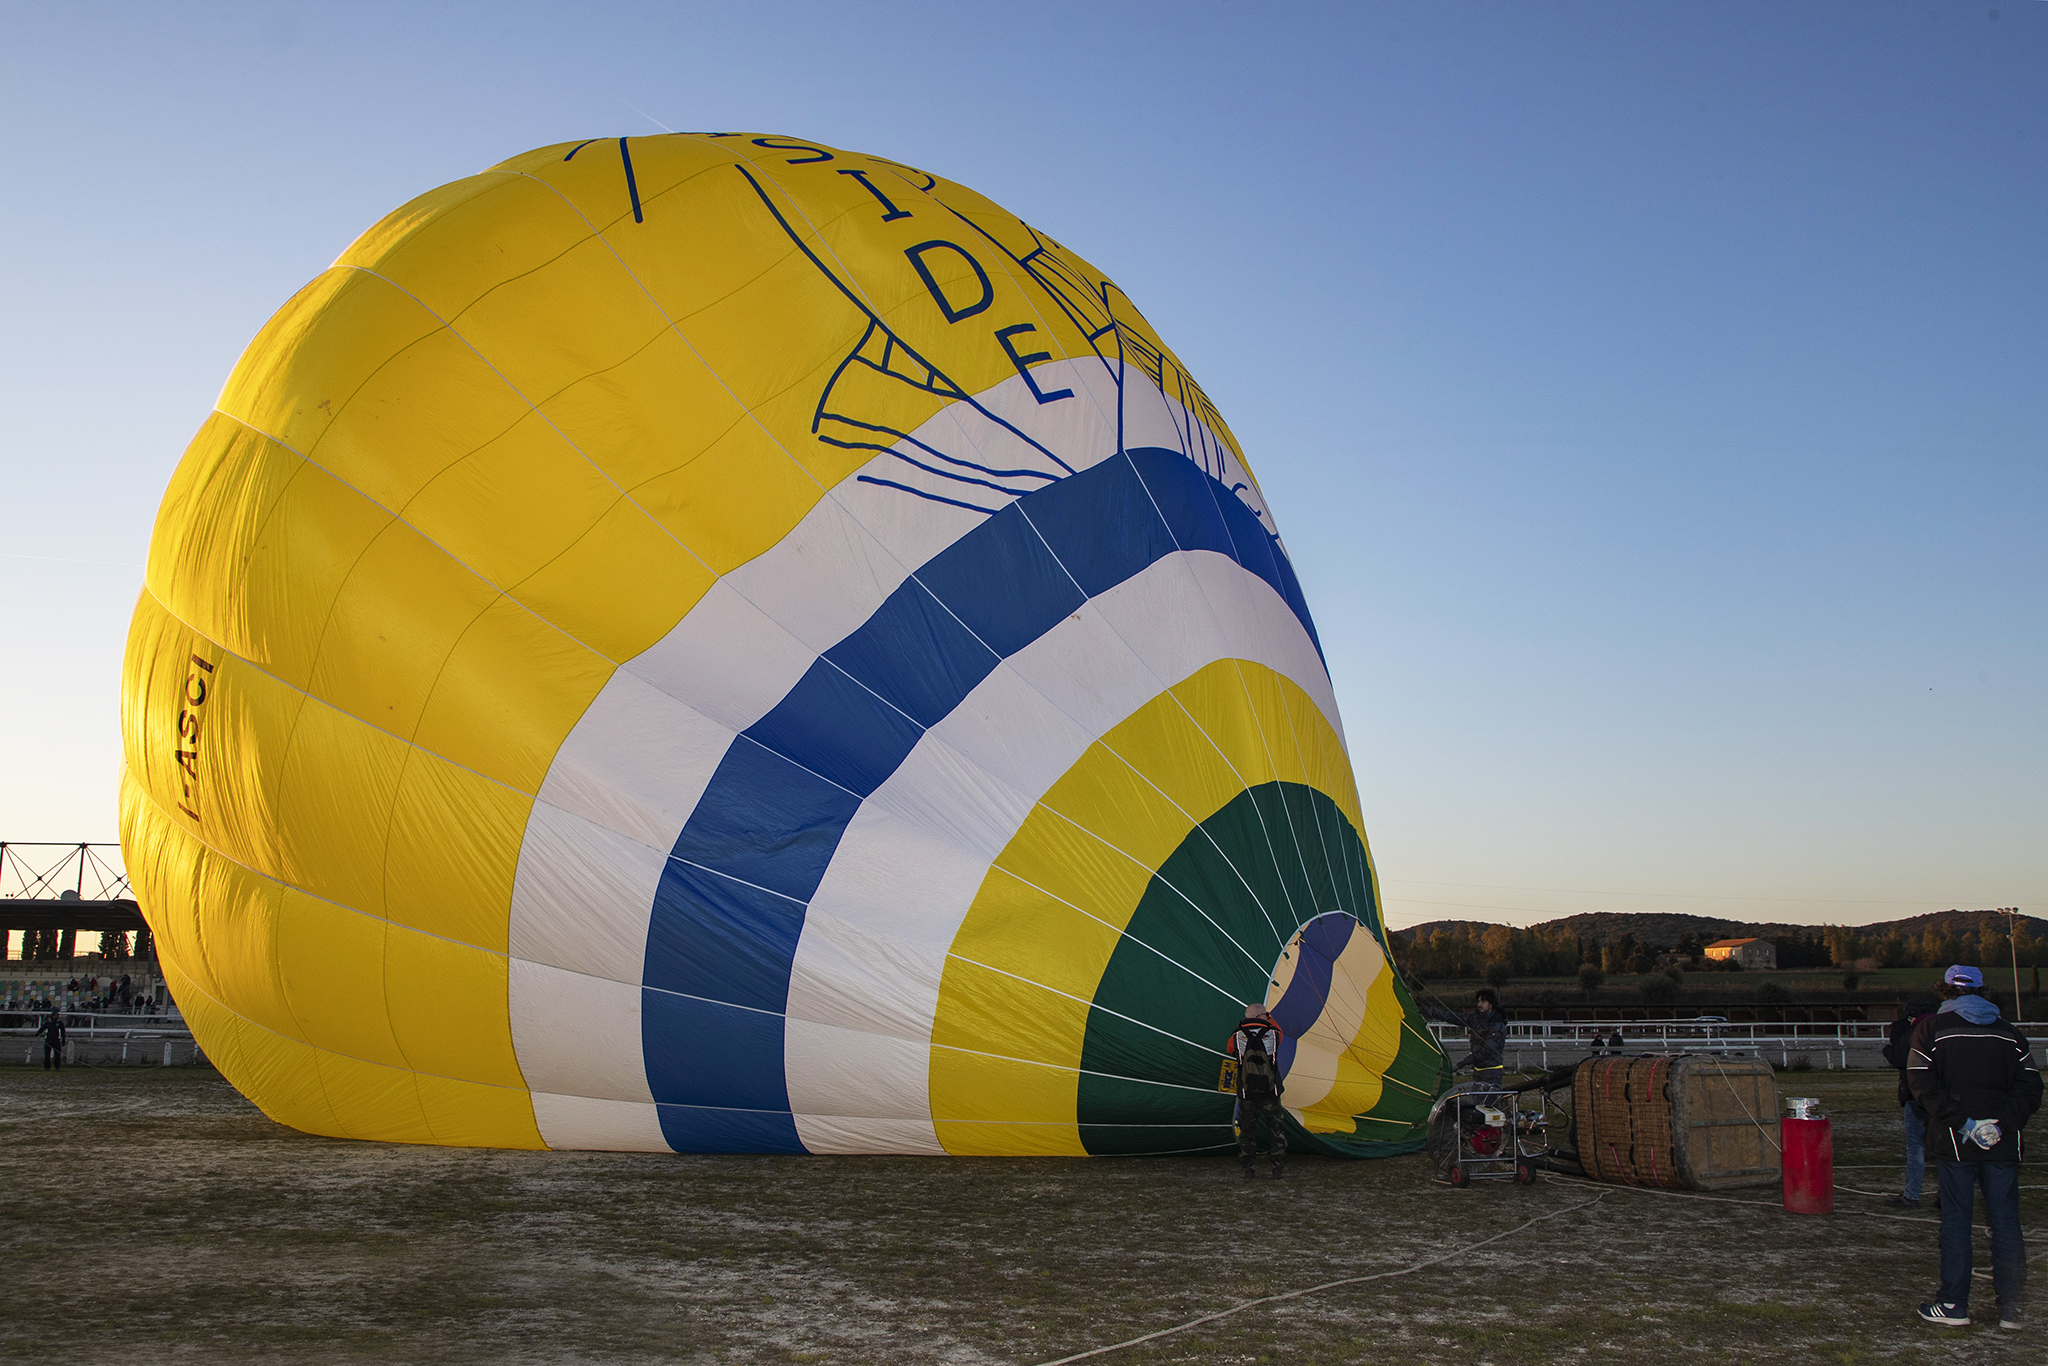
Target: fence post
167,1052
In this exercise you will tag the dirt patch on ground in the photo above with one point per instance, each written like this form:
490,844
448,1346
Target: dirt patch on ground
206,1231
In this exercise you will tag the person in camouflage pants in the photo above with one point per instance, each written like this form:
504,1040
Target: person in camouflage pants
1255,1043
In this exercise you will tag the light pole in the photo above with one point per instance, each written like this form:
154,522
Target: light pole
2012,939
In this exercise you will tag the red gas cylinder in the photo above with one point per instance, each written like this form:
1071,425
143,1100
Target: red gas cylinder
1808,1143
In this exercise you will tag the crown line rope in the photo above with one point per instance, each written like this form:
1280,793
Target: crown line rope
1327,1285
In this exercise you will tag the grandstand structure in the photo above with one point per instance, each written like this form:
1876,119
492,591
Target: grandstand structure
51,893
51,897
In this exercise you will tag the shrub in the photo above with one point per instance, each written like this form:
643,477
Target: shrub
1498,975
1676,974
1801,1062
1590,977
1658,989
1770,993
1851,981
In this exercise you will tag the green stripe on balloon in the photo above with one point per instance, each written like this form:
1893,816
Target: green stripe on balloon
1204,936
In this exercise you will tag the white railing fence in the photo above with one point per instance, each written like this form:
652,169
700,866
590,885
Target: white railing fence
161,1039
1826,1045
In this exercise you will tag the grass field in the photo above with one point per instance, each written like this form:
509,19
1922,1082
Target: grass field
207,1232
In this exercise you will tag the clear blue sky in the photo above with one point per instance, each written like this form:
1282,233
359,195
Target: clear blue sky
1652,395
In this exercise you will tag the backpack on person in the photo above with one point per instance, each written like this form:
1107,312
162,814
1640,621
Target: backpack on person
1258,1069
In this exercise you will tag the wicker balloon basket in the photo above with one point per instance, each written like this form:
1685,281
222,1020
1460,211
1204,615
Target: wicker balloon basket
1686,1122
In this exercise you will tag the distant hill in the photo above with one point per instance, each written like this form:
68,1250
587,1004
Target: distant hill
1665,929
1960,920
1432,926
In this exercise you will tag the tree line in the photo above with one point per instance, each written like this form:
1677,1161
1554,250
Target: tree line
1473,950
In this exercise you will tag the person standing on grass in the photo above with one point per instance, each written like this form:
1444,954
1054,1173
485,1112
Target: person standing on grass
1486,1030
1255,1043
52,1035
1897,1051
1975,1077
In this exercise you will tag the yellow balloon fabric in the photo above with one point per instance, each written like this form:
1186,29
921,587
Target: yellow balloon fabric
714,642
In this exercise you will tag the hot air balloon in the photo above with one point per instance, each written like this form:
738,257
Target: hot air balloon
718,643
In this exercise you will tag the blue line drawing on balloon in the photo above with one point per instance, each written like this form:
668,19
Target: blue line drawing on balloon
1093,312
881,356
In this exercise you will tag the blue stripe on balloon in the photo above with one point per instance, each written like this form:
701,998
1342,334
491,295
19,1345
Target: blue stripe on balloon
688,1129
913,654
1002,582
730,906
1321,943
716,1071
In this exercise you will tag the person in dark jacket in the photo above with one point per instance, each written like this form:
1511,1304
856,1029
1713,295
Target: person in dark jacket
1486,1030
52,1035
1255,1045
1897,1050
1975,1077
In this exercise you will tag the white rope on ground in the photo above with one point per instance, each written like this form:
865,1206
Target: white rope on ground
1891,1167
1890,1193
1765,1204
1875,1195
1327,1285
1885,1195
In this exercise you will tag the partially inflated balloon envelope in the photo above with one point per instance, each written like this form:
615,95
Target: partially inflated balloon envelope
716,643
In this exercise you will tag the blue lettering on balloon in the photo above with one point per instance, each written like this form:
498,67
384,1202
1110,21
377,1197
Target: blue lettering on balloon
894,212
1023,363
929,179
822,154
953,315
632,185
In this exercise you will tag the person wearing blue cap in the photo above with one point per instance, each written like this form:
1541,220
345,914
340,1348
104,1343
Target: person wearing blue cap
1974,1076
